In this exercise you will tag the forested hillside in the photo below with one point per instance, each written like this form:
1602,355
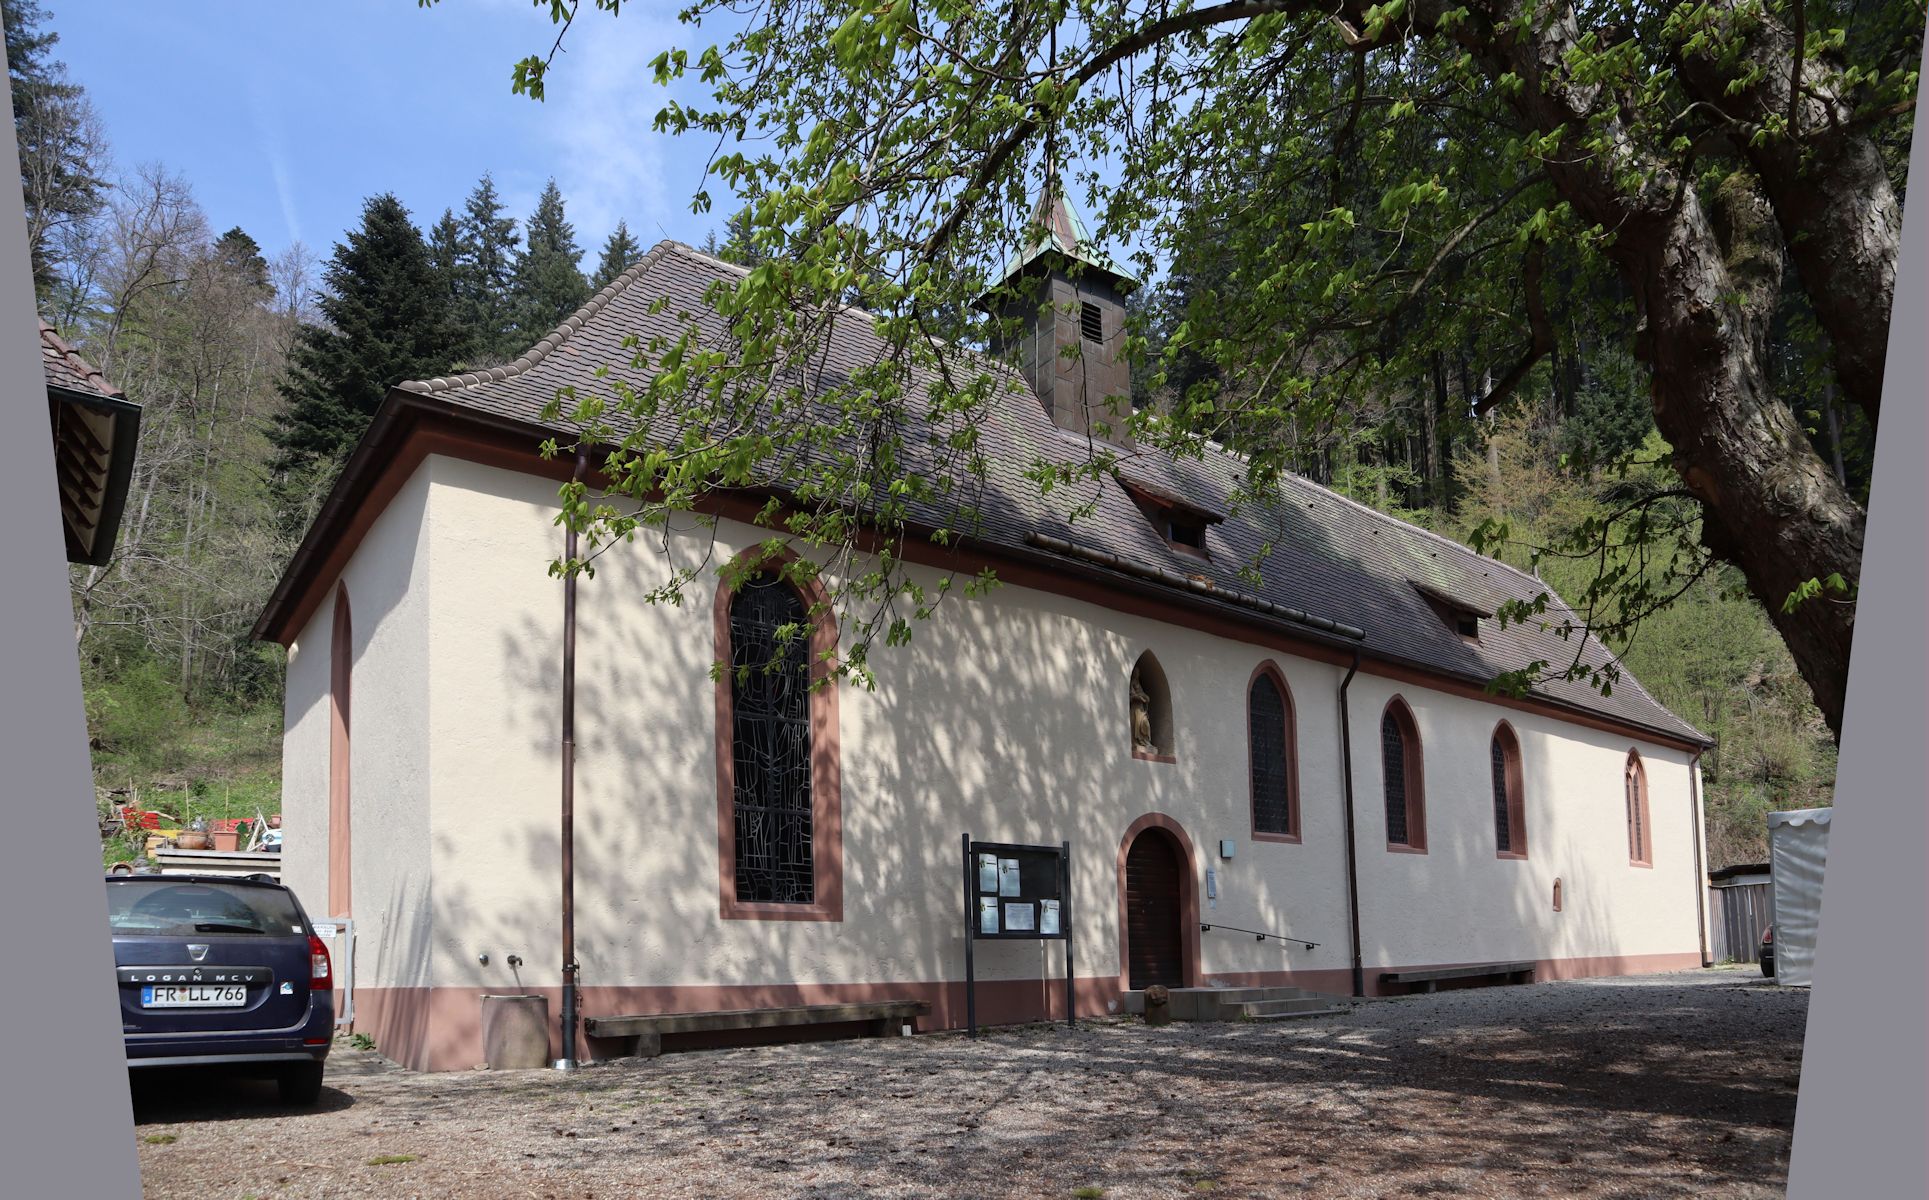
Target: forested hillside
257,372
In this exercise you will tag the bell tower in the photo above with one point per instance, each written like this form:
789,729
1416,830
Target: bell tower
1061,315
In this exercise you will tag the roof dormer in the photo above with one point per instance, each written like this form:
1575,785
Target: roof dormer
1180,522
1460,614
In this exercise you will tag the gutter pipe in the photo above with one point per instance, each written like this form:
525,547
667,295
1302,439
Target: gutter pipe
1701,875
1352,854
568,1061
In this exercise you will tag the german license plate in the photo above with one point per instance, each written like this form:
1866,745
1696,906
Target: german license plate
224,995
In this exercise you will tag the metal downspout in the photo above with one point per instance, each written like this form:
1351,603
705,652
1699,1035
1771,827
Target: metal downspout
568,1061
1352,856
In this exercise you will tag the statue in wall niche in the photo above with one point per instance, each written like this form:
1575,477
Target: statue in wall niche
1141,717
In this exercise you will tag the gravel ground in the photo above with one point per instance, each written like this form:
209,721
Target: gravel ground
1665,1085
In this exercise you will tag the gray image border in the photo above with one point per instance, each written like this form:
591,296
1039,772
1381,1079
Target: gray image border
1863,1108
69,1117
1862,1114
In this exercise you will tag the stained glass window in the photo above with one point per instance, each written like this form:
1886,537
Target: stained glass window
770,740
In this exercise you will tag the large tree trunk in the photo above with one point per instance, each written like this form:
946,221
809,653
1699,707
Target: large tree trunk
1771,506
1831,193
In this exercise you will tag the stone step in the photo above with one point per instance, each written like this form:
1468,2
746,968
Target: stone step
1310,1012
1230,1003
1299,1004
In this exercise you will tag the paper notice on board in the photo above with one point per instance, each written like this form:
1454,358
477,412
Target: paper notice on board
987,872
1018,918
1008,877
1048,917
987,914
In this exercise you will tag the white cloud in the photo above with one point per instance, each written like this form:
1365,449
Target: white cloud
600,107
268,135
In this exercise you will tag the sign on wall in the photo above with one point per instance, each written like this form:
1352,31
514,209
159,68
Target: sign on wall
1016,892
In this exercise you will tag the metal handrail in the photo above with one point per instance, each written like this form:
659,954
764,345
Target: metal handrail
1278,937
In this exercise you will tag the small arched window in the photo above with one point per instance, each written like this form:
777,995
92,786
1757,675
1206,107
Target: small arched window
1510,802
1150,706
1640,828
1403,779
1272,763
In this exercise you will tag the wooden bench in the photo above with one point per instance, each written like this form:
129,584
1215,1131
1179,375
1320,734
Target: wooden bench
1427,980
646,1033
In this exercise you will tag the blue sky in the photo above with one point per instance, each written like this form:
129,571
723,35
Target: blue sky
284,116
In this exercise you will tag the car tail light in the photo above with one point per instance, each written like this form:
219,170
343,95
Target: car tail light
319,975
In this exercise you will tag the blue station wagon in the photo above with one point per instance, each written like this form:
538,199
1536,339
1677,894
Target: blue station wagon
217,971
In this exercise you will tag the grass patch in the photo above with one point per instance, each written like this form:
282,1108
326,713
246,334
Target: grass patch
160,1139
389,1160
1090,1191
361,1041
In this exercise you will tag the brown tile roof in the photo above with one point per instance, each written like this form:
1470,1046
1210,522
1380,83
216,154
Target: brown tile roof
1330,557
67,369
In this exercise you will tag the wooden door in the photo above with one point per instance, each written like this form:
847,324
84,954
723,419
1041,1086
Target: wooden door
1153,938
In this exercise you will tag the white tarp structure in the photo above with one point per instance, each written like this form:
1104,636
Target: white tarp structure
1798,850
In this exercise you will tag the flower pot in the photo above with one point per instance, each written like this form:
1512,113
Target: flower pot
227,839
193,841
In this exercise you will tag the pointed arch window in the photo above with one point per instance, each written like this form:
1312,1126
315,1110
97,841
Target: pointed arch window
780,852
1510,801
1273,763
1403,779
1640,829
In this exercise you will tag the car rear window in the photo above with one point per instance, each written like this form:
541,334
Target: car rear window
164,909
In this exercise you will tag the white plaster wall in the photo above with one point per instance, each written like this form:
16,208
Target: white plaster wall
389,747
1005,718
494,640
1459,902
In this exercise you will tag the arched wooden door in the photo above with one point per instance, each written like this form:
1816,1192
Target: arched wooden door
1154,904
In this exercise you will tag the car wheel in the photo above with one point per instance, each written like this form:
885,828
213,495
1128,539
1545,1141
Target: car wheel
301,1084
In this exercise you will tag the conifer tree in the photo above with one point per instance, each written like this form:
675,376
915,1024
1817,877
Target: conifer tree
736,245
620,253
548,284
241,255
61,145
386,319
449,259
484,305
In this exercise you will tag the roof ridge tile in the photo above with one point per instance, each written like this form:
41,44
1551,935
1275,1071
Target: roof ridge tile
555,337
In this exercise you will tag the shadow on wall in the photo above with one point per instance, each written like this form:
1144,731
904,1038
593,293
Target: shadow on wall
964,733
919,768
